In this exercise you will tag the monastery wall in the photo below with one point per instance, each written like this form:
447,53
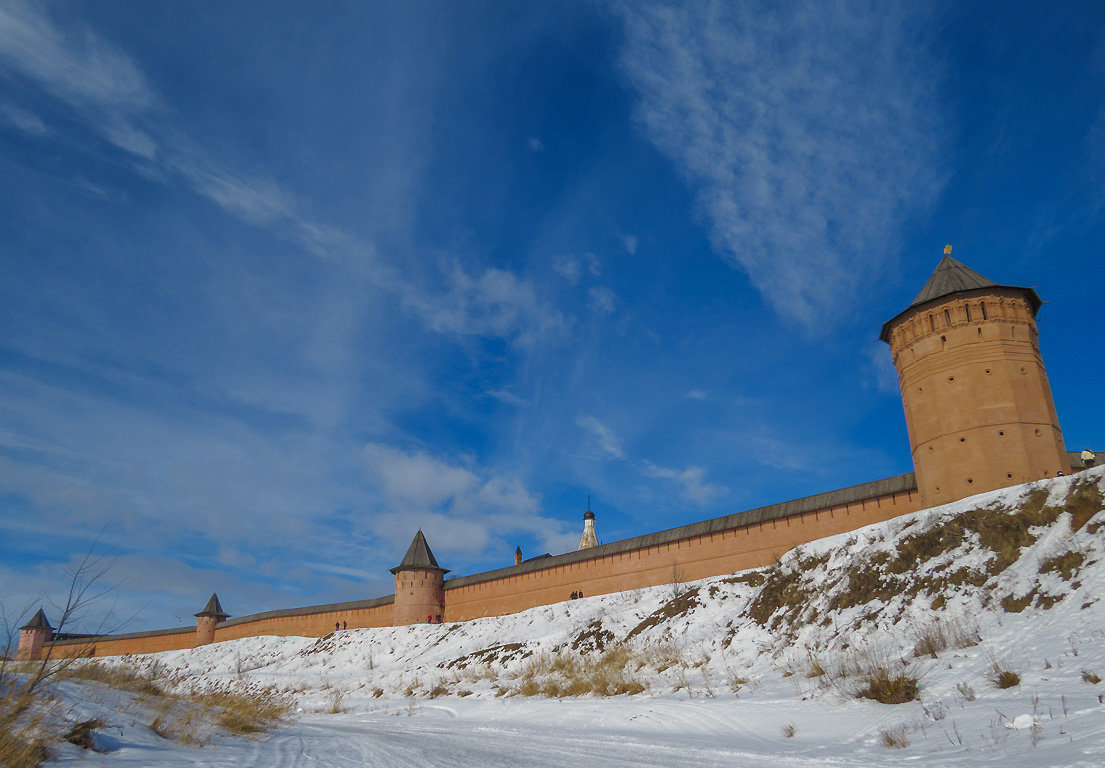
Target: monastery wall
313,621
711,548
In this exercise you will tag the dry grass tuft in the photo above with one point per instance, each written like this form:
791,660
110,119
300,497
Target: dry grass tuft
888,687
81,733
789,729
22,748
1001,676
121,677
1090,677
894,738
558,675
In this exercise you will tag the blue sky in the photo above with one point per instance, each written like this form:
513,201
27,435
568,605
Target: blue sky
283,282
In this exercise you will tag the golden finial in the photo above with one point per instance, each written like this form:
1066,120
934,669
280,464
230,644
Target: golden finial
947,250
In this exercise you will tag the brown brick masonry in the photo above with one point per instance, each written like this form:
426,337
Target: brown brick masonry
710,548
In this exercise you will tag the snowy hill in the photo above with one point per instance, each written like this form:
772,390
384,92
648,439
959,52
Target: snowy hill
779,666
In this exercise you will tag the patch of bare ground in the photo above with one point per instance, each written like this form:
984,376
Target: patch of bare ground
678,606
592,638
495,654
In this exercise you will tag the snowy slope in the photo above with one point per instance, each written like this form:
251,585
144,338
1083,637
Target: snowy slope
726,667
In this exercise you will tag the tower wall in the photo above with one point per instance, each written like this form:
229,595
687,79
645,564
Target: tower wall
31,642
418,594
205,629
977,401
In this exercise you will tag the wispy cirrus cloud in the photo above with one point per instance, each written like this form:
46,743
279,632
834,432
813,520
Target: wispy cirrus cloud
806,158
604,437
28,122
692,482
107,91
494,303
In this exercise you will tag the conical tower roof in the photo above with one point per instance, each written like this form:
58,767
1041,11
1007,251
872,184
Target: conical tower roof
951,277
213,608
419,557
38,621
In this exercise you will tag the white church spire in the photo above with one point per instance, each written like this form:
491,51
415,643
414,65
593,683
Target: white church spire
589,538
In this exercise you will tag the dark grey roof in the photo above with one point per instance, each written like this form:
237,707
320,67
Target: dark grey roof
419,557
213,608
38,621
951,277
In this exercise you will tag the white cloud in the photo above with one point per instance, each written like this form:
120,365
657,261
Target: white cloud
28,122
695,394
807,130
535,144
78,68
568,267
507,396
496,303
594,266
603,435
418,480
692,479
630,244
106,89
602,299
461,508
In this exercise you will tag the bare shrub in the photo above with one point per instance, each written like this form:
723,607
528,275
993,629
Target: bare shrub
815,668
931,640
789,730
336,702
735,681
937,636
894,738
965,690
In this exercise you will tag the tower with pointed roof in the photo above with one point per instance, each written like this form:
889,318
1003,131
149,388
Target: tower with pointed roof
419,585
33,636
978,405
206,620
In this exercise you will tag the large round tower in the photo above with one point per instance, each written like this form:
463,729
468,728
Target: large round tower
419,585
977,401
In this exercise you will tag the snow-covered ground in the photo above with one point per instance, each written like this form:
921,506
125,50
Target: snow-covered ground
725,678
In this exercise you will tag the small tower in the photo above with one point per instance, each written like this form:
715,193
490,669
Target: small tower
419,585
589,538
33,636
518,556
206,620
977,401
